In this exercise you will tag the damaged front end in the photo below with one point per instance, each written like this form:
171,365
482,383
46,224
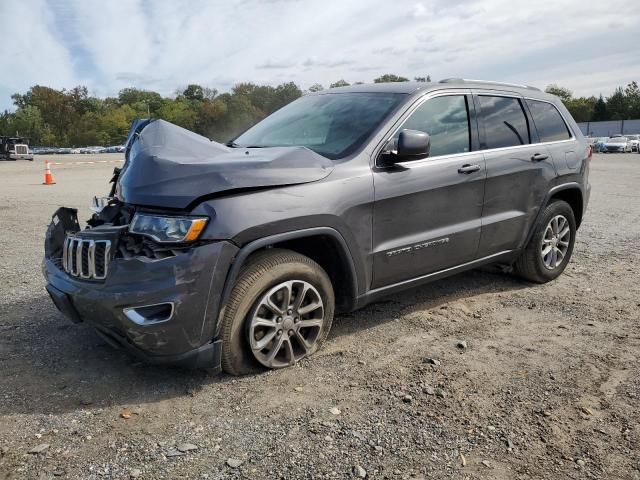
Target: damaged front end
141,276
146,271
155,299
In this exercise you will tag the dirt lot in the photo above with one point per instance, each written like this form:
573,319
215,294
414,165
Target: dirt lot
548,386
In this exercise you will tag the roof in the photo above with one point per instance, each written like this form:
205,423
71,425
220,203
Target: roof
418,87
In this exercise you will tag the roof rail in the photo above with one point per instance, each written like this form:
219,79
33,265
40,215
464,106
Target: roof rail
465,80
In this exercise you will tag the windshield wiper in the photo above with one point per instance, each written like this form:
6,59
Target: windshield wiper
233,144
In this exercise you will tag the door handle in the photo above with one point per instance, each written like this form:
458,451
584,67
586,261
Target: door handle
539,157
469,168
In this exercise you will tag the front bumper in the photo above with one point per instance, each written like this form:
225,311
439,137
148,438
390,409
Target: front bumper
192,280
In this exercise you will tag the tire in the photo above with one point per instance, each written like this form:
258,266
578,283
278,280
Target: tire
532,265
265,281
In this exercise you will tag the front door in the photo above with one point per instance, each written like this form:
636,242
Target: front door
427,213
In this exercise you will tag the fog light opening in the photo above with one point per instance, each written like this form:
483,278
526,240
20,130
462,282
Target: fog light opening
150,314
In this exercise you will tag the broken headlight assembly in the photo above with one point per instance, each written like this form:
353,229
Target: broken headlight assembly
168,229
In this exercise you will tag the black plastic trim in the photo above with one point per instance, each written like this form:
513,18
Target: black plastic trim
251,247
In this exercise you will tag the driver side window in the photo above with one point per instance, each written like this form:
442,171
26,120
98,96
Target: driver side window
446,120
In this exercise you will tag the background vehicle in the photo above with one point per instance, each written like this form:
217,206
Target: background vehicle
15,148
599,144
617,144
237,256
634,141
114,149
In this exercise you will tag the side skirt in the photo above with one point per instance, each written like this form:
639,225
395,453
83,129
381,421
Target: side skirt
373,295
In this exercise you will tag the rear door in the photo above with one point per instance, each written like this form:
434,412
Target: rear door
427,212
555,134
518,171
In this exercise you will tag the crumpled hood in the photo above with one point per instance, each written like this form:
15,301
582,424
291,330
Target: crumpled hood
171,167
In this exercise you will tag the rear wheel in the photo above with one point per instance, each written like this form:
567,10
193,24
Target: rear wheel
279,312
550,248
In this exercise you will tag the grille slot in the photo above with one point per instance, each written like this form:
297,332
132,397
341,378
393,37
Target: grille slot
87,259
21,149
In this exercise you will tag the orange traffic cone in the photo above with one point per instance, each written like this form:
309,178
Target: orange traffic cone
48,176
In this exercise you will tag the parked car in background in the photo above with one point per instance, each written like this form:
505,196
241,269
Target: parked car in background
598,146
114,149
634,141
617,144
94,149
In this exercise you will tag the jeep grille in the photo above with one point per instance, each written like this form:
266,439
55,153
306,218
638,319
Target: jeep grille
87,259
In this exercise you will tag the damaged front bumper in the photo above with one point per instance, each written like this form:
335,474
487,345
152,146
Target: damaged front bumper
162,310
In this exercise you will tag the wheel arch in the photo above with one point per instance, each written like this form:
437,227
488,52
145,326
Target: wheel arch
572,193
325,245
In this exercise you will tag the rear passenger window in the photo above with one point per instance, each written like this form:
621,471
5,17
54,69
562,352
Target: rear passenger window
446,120
548,121
505,124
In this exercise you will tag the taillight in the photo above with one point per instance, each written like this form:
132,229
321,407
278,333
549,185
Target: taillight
589,152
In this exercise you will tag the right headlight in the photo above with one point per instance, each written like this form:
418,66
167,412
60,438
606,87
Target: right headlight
168,229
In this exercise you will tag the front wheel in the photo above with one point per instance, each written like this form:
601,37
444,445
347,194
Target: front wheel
546,255
279,312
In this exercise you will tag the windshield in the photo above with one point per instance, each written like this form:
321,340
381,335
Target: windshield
333,125
618,140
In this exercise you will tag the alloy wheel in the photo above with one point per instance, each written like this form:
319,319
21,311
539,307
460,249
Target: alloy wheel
555,242
286,323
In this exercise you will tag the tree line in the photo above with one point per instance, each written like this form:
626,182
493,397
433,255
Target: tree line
623,104
70,118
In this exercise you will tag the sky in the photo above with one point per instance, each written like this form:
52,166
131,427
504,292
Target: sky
164,45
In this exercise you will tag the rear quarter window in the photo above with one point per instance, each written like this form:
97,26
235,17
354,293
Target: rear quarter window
549,123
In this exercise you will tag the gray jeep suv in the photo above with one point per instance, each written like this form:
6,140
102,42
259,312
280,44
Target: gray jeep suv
237,256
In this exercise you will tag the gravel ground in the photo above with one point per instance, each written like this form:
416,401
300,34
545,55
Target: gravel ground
547,386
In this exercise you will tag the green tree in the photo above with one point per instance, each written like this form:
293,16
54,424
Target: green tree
581,109
316,87
285,93
194,93
632,95
28,121
178,111
562,93
423,79
600,110
339,83
617,105
390,77
139,98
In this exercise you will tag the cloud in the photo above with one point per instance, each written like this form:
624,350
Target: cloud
314,62
31,52
419,11
269,65
163,44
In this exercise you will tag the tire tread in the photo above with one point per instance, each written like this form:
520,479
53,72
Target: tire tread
527,264
256,267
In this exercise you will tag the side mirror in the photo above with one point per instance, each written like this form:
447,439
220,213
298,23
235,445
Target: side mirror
412,145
